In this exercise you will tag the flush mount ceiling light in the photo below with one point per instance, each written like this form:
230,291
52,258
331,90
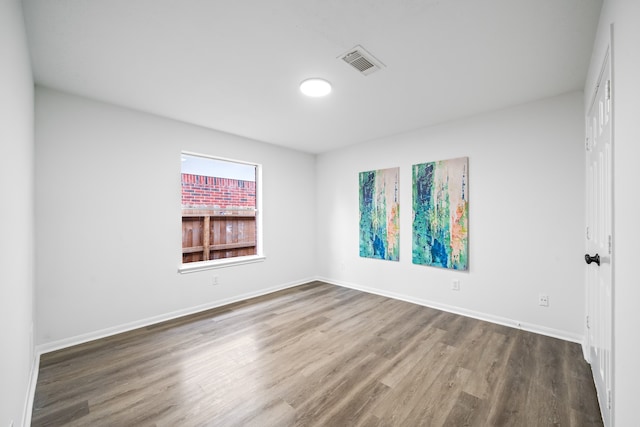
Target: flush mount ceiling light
315,87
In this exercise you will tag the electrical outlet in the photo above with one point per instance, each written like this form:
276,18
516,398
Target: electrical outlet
215,281
543,300
455,284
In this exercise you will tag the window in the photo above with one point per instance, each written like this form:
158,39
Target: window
220,215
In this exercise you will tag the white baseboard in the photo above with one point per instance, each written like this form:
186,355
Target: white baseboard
80,339
585,350
31,391
107,332
538,329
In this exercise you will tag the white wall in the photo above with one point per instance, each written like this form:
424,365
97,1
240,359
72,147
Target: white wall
16,214
625,16
106,258
526,218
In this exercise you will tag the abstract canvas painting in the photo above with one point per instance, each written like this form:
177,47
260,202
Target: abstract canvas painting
441,214
380,214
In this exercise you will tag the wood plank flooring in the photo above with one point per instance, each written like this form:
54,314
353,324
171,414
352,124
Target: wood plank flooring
318,355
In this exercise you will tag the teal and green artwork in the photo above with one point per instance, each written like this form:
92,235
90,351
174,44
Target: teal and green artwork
380,214
441,214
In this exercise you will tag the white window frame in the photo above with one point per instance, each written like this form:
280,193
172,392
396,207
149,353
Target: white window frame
239,260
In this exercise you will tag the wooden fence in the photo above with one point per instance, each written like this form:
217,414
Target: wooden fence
216,234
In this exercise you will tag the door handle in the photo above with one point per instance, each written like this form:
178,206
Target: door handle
589,259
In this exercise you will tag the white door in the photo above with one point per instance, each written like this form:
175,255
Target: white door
600,239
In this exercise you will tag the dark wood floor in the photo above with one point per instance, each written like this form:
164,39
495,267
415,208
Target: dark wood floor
318,355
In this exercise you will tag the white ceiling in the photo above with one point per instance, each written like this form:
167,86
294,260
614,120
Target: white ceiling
235,65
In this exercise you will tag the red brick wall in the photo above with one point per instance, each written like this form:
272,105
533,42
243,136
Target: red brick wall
200,191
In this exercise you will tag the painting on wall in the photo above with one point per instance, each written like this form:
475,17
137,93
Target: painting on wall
380,214
441,214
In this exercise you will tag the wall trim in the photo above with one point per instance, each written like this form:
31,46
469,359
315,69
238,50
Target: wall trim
103,333
107,332
585,350
31,390
538,329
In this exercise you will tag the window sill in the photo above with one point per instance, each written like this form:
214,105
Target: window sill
219,263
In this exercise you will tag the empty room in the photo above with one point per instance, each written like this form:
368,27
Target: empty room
319,213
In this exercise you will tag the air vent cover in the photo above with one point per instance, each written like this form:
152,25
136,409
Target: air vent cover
361,60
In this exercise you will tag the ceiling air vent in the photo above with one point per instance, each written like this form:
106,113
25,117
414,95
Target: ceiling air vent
361,60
